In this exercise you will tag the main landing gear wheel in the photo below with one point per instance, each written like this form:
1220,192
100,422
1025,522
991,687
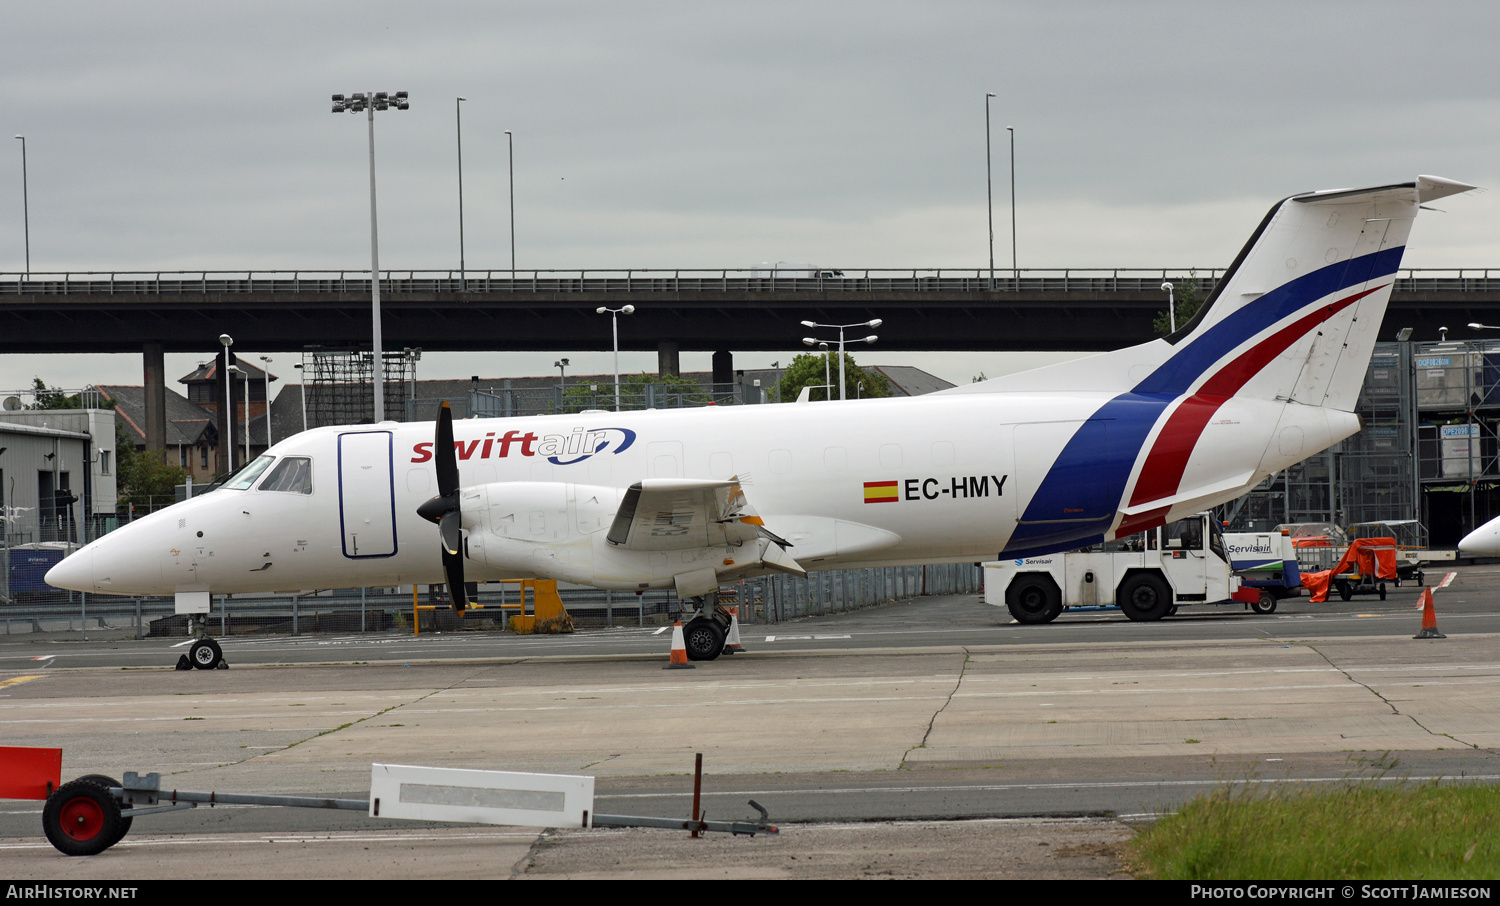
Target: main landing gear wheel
1145,598
1266,603
82,819
703,638
205,654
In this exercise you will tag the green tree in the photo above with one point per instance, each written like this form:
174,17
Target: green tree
52,397
1188,297
807,370
140,476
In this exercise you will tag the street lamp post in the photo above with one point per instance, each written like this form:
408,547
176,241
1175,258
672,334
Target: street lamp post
1171,306
302,392
1015,271
25,204
614,320
368,104
510,146
267,360
989,185
459,122
227,341
809,341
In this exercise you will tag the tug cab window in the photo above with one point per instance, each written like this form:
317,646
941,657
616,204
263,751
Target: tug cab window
293,475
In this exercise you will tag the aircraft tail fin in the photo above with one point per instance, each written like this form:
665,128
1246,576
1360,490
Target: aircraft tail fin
1294,318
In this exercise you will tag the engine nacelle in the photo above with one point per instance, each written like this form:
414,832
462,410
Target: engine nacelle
556,530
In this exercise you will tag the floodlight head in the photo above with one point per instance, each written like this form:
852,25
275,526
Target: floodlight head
809,341
1405,333
1166,287
1473,325
600,310
989,94
461,98
809,324
1442,334
628,310
226,340
874,323
871,338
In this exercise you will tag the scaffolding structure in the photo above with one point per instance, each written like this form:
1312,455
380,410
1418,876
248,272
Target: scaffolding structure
337,385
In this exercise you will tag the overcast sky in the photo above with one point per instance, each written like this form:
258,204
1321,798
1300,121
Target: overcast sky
664,135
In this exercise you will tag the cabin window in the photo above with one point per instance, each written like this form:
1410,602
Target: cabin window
247,475
293,475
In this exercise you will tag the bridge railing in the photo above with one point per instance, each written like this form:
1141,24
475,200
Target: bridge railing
693,280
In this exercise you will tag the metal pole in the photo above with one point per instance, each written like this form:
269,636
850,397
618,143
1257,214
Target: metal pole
989,186
376,361
614,321
228,405
459,119
841,364
510,145
25,204
267,360
1015,271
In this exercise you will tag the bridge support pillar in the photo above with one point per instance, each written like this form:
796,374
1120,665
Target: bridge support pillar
156,400
666,359
723,367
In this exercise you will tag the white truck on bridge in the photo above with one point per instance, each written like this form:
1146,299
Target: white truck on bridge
1148,575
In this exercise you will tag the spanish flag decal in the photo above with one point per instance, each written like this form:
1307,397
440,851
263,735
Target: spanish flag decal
880,492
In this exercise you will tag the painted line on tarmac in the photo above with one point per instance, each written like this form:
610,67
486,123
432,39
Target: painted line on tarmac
18,680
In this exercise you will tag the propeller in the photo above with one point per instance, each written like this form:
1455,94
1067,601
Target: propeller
443,509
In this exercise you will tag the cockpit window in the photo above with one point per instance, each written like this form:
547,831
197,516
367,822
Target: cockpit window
248,474
293,475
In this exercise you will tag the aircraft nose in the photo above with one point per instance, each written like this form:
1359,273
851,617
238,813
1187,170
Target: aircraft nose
1483,541
74,572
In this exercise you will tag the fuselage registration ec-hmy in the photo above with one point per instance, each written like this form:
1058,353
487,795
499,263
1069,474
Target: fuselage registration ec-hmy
1264,376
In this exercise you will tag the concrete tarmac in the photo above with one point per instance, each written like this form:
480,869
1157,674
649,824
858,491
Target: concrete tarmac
970,760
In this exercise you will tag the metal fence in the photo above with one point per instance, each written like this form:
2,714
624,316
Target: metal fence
765,600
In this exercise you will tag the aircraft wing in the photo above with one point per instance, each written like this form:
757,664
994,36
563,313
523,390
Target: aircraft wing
664,514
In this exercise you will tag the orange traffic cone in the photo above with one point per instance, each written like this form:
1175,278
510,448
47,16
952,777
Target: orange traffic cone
732,641
1429,618
679,659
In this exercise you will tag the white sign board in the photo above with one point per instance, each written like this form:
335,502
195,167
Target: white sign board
480,797
1460,449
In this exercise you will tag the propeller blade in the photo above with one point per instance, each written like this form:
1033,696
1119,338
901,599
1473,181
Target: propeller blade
443,455
453,569
449,529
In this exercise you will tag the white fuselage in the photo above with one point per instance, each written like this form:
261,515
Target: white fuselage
859,483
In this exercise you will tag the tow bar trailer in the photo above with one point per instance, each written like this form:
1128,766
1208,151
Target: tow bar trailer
86,816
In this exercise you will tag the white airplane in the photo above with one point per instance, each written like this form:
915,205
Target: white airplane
1264,376
1483,541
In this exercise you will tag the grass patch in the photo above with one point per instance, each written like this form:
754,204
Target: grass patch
1360,831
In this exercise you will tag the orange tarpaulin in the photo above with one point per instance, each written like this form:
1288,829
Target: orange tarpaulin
1368,556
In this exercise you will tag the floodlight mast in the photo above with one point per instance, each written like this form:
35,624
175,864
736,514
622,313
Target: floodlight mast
809,341
368,103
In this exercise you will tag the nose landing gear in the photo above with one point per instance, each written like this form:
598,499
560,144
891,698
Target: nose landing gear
205,653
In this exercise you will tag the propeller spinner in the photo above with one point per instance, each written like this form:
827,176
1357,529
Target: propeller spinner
443,509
